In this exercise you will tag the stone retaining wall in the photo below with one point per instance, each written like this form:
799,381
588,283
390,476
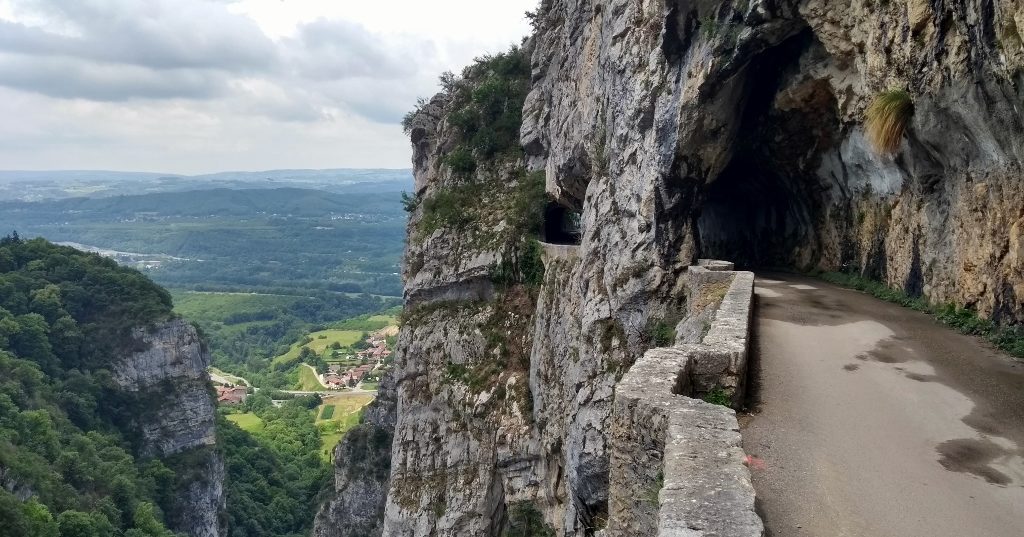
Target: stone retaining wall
676,461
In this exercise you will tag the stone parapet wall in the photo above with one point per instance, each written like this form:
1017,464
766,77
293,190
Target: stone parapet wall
716,265
676,461
559,251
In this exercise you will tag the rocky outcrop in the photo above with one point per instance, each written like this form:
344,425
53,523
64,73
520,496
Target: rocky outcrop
173,413
679,129
362,463
169,377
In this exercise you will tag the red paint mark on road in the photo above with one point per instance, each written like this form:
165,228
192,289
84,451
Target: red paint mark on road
754,463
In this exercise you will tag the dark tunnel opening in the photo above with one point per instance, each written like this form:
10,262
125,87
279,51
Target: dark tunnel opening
751,218
760,211
561,225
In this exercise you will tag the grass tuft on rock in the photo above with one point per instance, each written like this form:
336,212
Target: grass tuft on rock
886,120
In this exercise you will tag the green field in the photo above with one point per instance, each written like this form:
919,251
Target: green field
307,380
345,338
216,307
248,422
368,323
335,423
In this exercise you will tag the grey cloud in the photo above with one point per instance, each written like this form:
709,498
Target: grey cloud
287,103
66,78
378,101
327,50
160,34
120,50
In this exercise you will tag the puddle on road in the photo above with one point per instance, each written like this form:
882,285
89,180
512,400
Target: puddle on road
945,413
984,458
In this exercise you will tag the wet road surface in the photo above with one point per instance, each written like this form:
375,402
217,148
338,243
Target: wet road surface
874,420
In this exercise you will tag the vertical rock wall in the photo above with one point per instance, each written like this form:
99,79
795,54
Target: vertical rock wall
173,413
743,120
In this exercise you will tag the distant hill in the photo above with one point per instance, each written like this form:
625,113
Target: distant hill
47,185
300,202
291,240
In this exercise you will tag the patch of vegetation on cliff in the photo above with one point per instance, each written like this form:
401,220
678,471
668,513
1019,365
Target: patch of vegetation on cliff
504,362
488,103
484,114
1009,339
416,315
886,119
525,520
524,218
66,467
662,332
525,267
450,208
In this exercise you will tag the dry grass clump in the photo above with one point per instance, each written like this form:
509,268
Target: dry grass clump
886,119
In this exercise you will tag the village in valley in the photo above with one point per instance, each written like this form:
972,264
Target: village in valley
336,372
373,360
336,368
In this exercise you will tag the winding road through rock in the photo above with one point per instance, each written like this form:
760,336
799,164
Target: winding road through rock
874,420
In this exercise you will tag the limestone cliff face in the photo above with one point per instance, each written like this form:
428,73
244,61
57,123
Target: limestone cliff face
734,130
173,417
679,129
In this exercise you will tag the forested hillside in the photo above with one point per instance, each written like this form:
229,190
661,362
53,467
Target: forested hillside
274,475
66,459
69,455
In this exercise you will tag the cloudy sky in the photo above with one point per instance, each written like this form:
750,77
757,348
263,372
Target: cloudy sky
194,86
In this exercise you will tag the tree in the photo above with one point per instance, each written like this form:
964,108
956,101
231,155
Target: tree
145,520
79,524
46,302
32,341
40,521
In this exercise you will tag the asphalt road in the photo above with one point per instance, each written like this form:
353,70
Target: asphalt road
874,420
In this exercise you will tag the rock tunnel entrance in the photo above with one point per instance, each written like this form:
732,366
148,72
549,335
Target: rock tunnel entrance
749,219
561,225
761,209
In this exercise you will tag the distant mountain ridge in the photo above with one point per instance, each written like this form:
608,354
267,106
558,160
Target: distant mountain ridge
53,185
372,174
285,201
